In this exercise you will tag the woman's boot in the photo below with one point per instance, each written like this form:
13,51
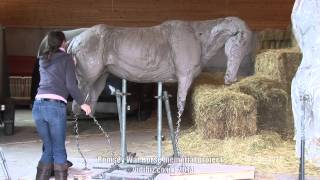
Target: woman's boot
61,171
44,171
69,164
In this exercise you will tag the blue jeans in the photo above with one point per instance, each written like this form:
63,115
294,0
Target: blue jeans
50,119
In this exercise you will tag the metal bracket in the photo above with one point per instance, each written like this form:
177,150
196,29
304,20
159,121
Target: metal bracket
304,99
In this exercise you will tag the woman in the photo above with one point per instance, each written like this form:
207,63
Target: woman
305,88
57,81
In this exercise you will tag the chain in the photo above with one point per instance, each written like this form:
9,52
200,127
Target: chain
107,137
76,130
177,133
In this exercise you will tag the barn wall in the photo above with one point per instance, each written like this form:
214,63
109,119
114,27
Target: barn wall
27,21
259,14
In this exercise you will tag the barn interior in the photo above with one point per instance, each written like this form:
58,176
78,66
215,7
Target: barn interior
258,106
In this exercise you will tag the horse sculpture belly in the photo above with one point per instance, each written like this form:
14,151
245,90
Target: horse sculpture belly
141,55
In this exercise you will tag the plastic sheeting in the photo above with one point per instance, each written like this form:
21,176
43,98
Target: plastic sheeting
306,26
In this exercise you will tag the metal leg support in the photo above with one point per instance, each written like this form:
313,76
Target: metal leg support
123,121
119,105
159,126
169,117
305,99
128,166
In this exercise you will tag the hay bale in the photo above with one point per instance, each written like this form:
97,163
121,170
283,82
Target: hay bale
280,65
272,103
274,38
215,78
211,78
220,113
271,34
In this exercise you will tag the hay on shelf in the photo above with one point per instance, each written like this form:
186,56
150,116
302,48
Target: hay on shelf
280,65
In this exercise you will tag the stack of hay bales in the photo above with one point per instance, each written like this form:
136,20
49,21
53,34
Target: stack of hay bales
219,110
275,39
272,102
279,65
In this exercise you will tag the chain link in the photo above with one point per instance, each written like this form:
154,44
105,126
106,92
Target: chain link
107,137
76,130
177,133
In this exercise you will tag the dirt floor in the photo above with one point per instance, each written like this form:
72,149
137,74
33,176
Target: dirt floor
23,149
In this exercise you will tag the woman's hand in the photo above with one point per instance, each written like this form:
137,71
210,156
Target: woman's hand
86,108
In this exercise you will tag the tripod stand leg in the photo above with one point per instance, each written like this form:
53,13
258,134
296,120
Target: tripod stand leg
123,122
306,109
169,117
118,98
159,126
302,160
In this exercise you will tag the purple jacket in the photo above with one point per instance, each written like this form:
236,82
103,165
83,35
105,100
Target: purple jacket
57,76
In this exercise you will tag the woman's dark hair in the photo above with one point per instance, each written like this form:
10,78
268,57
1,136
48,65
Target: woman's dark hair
55,40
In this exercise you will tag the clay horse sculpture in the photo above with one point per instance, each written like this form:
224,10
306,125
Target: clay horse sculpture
305,86
174,51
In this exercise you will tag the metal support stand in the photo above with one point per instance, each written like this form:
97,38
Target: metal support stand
118,95
169,117
121,105
123,122
305,102
159,126
126,165
4,166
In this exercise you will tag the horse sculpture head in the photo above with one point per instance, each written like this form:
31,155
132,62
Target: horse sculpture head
230,33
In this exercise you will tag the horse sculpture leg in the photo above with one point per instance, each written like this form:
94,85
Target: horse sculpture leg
92,91
187,52
183,87
96,89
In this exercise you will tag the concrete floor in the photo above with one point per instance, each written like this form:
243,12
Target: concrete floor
23,149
